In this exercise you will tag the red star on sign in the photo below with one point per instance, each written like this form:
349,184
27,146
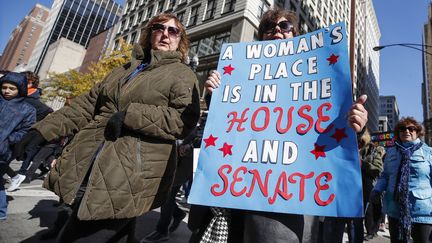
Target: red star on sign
318,151
210,141
226,149
228,69
339,134
332,59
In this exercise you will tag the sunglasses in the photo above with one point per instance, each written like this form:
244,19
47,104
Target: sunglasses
172,31
410,129
285,27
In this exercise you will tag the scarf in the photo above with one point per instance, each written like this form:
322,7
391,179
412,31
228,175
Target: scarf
217,230
401,193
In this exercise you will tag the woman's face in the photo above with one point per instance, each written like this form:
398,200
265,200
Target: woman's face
283,29
165,36
408,133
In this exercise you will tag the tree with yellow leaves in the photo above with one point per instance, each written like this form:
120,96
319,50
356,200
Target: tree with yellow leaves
73,83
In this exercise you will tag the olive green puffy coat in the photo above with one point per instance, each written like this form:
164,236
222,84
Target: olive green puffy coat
134,173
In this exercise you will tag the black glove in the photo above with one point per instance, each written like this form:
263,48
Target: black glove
29,142
375,197
114,126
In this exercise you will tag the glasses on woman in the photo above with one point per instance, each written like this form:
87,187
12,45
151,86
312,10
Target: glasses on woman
410,128
172,31
285,27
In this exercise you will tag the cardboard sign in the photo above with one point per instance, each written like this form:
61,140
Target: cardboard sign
276,137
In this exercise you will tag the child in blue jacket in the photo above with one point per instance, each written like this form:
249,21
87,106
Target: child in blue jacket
17,116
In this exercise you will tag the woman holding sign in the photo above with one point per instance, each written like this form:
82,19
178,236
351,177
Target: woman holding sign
268,226
407,183
122,159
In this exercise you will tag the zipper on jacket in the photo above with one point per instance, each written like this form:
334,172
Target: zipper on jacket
92,163
138,155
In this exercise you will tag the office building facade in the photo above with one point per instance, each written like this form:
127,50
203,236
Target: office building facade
364,34
390,109
75,20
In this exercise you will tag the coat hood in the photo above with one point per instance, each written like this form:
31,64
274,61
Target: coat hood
18,79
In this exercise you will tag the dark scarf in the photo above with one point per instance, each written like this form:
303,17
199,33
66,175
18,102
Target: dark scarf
401,193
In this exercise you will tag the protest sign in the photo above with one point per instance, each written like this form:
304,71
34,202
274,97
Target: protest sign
384,139
276,137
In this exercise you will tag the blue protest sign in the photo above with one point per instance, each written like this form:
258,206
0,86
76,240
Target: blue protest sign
276,137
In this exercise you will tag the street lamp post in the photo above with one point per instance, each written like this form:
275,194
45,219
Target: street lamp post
408,45
427,122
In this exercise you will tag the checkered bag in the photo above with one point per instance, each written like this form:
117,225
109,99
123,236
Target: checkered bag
217,230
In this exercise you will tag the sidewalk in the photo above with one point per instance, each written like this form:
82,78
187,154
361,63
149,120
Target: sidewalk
31,212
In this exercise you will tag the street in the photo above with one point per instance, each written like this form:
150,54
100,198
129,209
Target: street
32,211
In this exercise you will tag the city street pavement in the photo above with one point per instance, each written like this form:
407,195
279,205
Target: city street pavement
32,211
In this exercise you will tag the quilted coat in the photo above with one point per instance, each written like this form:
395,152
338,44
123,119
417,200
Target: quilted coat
134,173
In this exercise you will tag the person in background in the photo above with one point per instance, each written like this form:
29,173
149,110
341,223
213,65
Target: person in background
269,227
371,157
42,110
17,117
371,166
406,183
170,214
120,163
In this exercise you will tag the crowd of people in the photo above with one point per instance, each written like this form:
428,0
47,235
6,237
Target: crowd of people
125,148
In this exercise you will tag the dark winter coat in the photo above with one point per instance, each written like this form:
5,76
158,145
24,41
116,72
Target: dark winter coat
16,116
134,173
371,165
42,110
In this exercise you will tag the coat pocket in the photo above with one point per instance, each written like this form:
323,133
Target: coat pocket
422,193
422,202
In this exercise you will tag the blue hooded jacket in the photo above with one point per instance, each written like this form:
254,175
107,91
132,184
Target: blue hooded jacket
17,116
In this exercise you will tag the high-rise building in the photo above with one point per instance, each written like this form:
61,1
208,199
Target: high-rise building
23,39
383,124
97,47
364,33
62,56
427,78
366,60
390,109
75,20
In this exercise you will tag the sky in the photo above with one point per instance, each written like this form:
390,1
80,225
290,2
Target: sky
400,21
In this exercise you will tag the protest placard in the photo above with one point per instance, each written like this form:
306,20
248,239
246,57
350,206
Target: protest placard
277,137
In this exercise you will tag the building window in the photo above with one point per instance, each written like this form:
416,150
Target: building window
209,45
194,15
139,18
123,25
131,20
160,7
180,16
229,6
149,12
262,8
133,37
171,4
211,7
